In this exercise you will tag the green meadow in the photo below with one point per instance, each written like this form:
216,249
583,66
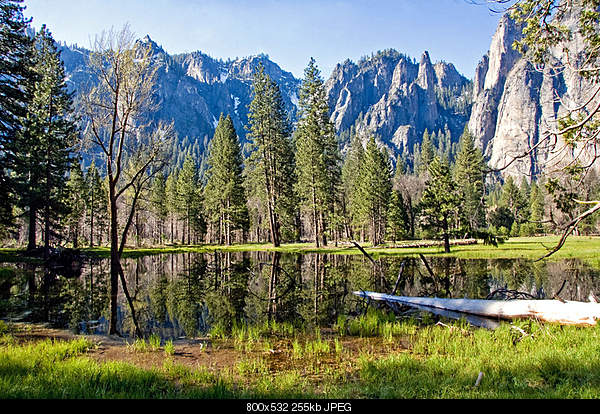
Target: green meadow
372,356
586,248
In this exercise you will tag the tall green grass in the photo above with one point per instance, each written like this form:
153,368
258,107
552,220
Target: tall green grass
444,362
376,323
522,360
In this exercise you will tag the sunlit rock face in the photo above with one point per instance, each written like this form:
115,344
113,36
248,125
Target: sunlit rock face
396,98
194,89
390,95
515,105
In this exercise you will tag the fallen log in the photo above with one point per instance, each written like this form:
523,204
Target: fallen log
562,312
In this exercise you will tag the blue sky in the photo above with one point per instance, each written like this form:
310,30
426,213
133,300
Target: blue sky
289,31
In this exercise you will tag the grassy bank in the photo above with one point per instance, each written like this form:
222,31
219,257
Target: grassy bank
373,356
586,248
581,247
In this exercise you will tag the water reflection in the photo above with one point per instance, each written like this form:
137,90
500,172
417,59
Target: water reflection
185,295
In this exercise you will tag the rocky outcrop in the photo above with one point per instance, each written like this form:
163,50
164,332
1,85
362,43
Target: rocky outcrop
193,89
388,94
489,82
396,99
516,104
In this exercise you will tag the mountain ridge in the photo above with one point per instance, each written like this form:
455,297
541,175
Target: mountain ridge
388,94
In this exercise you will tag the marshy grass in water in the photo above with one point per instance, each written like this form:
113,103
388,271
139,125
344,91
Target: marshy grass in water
376,323
519,360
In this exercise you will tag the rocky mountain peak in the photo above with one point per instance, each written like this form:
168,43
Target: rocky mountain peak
490,78
426,78
502,56
154,47
392,96
447,76
514,103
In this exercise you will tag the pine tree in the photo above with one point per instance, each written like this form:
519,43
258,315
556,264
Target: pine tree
468,174
426,154
441,201
15,72
397,219
76,189
536,212
96,205
47,140
187,196
158,202
512,198
224,194
350,184
446,144
270,165
317,157
401,168
374,188
416,159
172,202
525,194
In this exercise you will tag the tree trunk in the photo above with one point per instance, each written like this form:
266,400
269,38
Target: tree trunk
316,227
32,233
47,230
323,225
115,263
92,220
188,227
556,311
76,237
273,226
273,280
446,237
228,230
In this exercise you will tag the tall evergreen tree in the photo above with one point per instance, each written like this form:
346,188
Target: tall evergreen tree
440,202
374,189
445,144
350,183
426,154
317,156
512,198
468,174
398,223
76,190
187,185
96,205
271,161
47,140
172,203
224,194
536,212
158,203
15,71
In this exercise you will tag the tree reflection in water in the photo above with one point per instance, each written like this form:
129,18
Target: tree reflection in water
187,295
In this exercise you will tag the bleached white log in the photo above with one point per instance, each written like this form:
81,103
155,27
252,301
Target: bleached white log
566,313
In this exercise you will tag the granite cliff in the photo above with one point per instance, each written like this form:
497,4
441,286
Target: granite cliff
396,98
515,104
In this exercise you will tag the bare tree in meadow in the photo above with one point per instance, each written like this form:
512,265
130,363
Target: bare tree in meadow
115,114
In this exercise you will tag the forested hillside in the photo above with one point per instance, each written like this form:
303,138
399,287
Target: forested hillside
124,144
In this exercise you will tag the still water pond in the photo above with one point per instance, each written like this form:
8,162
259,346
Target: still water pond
185,295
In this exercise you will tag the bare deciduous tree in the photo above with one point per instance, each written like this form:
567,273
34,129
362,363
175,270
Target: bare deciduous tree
115,114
